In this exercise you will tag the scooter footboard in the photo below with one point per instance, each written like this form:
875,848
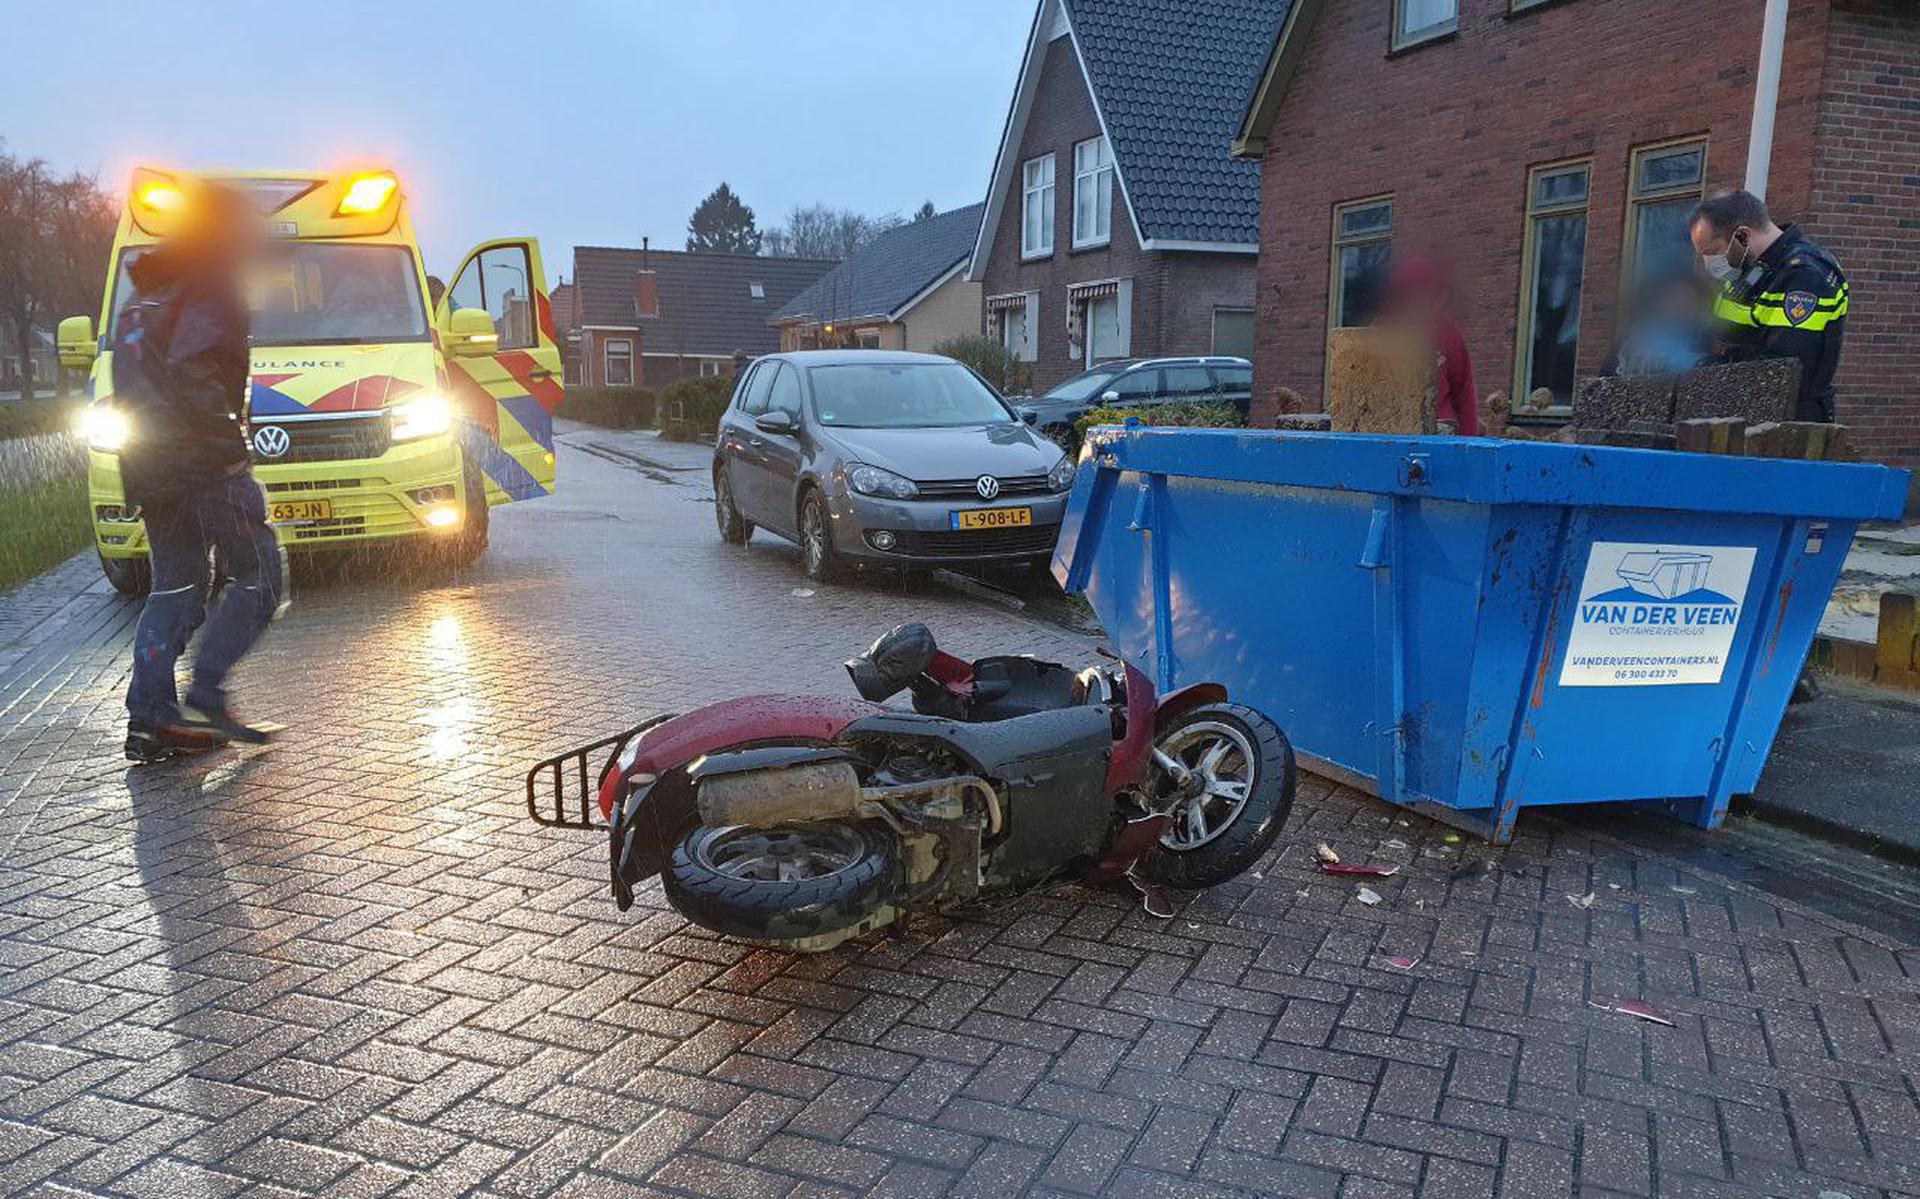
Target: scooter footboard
561,784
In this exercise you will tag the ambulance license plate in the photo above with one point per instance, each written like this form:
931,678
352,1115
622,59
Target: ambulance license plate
992,518
288,512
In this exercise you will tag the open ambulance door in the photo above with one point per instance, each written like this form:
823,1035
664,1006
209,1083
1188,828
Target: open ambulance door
508,395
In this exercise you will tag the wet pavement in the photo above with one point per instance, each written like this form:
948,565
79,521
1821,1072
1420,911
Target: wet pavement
349,966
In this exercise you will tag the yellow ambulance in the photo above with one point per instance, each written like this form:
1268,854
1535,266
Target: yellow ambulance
377,410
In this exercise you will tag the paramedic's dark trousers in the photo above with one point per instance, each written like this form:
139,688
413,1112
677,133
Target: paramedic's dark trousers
229,517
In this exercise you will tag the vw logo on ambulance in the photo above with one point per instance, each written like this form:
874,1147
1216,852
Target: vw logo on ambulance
270,441
1650,615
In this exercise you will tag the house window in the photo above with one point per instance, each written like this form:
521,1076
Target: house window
1092,193
1418,20
618,363
1100,321
1362,241
1036,207
1665,183
1551,272
710,368
1010,321
757,290
1233,332
867,339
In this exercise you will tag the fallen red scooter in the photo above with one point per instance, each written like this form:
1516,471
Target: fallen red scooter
801,821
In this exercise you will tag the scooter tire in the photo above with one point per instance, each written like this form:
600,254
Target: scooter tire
792,910
1241,845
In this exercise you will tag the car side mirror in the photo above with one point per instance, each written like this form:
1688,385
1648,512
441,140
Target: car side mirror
470,333
1030,416
76,342
776,422
1109,397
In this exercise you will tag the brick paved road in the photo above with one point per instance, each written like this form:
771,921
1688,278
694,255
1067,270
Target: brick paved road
349,967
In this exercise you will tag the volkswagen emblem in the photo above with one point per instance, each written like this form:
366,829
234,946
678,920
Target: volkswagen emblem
270,441
987,486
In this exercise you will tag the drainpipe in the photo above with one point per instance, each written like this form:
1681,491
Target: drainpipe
1766,96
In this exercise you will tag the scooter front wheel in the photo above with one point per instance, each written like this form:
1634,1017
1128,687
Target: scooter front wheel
1230,774
809,886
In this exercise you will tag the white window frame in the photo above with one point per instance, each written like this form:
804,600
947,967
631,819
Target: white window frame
606,361
1537,211
1037,243
710,368
1099,176
1404,37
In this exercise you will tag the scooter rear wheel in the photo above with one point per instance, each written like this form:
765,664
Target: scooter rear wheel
1239,784
790,882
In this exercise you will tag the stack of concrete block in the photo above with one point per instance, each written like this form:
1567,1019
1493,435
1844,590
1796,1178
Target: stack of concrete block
1738,408
1766,389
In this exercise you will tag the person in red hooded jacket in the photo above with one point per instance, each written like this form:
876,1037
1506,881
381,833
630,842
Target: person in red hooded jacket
1418,295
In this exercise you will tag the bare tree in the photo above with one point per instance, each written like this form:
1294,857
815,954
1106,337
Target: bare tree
820,231
55,235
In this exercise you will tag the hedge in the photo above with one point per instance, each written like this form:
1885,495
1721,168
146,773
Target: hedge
1199,416
690,409
31,418
610,407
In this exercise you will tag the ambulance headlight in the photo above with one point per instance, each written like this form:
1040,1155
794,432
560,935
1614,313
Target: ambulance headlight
422,416
102,428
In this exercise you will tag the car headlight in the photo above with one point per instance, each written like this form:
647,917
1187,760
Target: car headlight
422,416
1061,476
102,428
871,480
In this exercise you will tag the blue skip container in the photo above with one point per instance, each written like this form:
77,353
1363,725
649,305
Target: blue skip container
1470,626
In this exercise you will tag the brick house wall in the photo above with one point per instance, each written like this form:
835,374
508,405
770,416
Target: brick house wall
1450,128
1164,321
1866,209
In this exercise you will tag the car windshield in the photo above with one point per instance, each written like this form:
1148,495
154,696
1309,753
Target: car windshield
903,395
322,294
1083,386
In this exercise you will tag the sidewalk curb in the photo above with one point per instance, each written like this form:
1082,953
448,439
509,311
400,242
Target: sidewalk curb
1831,831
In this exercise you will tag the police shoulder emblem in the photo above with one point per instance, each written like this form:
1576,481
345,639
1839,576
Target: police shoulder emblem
1799,305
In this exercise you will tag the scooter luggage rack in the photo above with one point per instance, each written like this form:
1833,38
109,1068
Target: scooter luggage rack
572,766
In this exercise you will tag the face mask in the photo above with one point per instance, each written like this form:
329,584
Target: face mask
1717,266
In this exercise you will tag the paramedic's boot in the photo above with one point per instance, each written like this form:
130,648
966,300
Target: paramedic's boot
220,724
158,742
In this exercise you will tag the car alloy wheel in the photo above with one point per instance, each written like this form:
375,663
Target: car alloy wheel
816,539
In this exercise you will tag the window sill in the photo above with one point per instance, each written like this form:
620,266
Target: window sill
1420,41
1517,9
1080,247
1037,255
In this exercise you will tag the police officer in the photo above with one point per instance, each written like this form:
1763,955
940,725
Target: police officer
1781,295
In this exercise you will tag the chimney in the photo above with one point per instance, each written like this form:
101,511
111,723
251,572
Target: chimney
646,291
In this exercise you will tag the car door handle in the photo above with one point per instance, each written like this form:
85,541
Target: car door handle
755,442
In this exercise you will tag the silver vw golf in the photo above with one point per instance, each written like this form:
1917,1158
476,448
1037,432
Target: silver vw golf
885,457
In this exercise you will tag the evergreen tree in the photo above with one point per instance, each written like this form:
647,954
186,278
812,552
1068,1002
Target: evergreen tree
723,225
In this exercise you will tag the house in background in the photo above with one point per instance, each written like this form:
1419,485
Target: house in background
566,330
647,317
1118,223
1553,153
40,362
905,290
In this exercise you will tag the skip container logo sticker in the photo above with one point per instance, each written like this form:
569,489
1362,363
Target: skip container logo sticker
1652,615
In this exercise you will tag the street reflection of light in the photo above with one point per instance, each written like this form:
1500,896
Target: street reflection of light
451,718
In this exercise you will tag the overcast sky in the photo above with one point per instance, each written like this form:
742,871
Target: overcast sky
580,121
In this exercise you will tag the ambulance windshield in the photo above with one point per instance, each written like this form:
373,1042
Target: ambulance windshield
324,293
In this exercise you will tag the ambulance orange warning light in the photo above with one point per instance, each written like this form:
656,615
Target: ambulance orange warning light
367,193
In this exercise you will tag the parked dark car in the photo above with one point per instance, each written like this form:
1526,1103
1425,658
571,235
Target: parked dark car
884,457
1135,382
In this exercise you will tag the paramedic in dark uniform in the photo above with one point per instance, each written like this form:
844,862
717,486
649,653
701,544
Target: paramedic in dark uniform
1781,295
